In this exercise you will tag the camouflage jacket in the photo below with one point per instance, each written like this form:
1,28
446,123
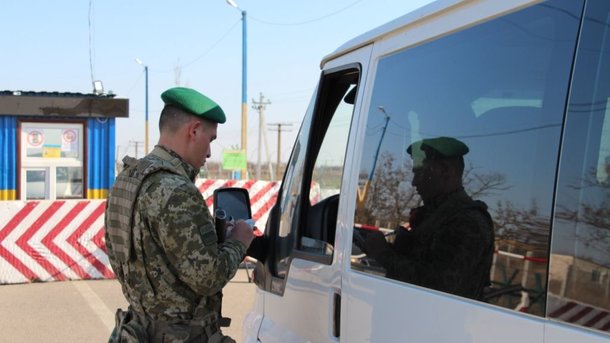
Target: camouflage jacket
161,240
449,247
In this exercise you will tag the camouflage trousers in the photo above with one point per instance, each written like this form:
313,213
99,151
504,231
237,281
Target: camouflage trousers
132,328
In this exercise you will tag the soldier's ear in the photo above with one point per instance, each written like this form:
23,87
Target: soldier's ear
444,166
451,167
192,127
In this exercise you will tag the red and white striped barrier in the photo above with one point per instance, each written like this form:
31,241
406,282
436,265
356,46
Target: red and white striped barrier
523,257
64,240
52,240
575,312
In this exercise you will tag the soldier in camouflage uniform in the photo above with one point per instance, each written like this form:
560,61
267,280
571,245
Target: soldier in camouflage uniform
449,242
160,235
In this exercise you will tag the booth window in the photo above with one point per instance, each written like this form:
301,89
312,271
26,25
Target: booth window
51,160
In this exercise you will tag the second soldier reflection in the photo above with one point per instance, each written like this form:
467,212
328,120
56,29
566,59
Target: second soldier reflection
448,244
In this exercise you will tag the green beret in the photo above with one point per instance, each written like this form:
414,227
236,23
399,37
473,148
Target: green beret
194,103
446,147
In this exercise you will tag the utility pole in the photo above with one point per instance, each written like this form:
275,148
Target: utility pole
138,61
279,144
117,165
136,144
260,107
244,73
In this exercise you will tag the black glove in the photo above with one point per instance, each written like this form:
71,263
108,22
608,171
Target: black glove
375,245
359,239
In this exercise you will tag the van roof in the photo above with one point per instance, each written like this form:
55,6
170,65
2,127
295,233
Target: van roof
478,10
391,26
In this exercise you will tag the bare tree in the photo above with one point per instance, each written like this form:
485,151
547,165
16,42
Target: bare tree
390,197
593,211
478,185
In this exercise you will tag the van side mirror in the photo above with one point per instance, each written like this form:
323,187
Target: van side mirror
230,203
234,201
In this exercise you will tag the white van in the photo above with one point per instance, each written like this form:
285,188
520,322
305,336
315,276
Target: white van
525,85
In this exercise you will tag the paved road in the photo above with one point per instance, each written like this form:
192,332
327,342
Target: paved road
83,311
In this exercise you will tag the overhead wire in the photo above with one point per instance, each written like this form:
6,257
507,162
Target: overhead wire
261,21
306,21
204,53
213,45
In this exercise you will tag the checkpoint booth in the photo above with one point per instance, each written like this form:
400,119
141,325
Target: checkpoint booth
57,145
57,162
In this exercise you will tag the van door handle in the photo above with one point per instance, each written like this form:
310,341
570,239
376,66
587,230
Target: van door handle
337,314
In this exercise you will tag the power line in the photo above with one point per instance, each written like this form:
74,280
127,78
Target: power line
214,45
137,145
510,132
306,21
205,52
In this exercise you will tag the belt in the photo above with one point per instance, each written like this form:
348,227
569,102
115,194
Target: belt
184,328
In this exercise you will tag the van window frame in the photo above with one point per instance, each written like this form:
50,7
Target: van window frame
290,243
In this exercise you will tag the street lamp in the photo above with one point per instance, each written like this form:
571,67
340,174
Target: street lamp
385,127
139,61
244,118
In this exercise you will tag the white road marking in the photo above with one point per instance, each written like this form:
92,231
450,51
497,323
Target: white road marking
96,304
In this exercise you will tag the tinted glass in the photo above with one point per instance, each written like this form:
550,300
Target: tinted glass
500,89
579,286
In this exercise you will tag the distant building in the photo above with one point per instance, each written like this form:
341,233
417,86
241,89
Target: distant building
56,145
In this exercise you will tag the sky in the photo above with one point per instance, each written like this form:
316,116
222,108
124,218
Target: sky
64,45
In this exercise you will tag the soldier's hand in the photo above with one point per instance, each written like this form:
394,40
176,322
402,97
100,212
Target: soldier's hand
375,244
242,232
379,249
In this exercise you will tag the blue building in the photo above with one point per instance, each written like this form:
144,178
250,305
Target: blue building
57,145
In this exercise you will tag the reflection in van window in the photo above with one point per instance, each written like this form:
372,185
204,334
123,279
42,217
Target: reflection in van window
579,280
603,159
500,89
451,234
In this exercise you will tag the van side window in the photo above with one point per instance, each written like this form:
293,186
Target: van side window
310,191
460,155
579,280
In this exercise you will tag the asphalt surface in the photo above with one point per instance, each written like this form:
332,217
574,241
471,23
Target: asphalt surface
83,311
